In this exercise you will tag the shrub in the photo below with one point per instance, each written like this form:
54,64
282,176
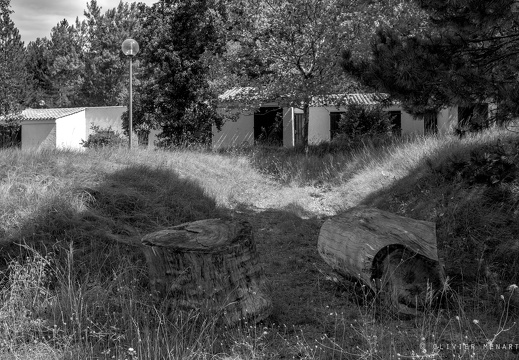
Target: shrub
103,138
363,121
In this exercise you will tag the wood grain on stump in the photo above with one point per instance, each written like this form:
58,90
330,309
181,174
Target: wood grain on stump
211,265
395,256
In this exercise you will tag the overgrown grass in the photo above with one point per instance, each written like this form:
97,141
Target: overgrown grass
74,283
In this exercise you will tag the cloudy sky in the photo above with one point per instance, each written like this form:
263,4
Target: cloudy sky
35,18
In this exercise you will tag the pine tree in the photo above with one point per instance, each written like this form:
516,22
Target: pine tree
468,55
66,64
106,73
13,74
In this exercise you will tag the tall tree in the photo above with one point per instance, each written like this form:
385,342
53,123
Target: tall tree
468,55
65,64
13,74
40,73
173,92
105,65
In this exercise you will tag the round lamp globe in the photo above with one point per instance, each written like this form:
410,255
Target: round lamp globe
130,47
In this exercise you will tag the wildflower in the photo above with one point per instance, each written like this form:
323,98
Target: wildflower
512,287
475,321
457,318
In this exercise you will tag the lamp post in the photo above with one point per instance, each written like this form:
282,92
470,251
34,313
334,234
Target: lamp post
130,48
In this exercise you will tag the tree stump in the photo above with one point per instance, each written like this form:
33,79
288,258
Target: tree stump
210,265
395,256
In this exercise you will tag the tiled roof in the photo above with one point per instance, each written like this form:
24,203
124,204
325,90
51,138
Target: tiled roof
348,99
48,114
250,93
238,93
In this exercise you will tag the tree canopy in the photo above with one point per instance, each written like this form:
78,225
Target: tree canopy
13,74
468,54
172,92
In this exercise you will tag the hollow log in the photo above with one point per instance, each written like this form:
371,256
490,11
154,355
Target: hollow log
209,265
395,256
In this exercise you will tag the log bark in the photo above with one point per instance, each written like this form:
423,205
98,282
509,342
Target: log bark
395,256
210,265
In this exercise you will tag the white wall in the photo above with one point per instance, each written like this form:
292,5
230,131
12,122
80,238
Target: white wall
288,127
412,125
105,117
234,133
37,135
319,125
152,138
70,131
242,131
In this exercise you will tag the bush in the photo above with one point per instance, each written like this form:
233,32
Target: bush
363,121
103,138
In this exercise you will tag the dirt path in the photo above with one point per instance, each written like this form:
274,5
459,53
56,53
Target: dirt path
299,283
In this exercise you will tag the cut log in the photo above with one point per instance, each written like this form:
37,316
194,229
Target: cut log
395,256
210,265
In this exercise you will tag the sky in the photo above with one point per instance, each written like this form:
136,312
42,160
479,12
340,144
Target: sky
35,18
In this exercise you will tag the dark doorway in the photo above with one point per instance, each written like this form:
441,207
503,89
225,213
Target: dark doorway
396,122
335,118
268,126
10,136
473,117
298,128
430,123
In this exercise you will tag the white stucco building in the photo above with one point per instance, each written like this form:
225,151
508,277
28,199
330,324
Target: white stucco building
66,128
251,126
53,128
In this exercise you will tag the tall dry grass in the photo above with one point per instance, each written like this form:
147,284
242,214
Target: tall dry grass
61,210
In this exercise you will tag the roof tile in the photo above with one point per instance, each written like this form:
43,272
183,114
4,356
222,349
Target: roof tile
250,93
48,114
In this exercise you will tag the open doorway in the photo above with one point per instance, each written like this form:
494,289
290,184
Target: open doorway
268,126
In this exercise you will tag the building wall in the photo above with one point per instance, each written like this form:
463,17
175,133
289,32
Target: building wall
319,125
38,135
111,117
242,130
288,127
412,125
70,131
153,138
105,117
235,133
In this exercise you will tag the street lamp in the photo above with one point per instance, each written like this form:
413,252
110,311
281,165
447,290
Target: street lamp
130,48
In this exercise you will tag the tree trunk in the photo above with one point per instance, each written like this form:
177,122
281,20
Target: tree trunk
395,256
211,265
306,122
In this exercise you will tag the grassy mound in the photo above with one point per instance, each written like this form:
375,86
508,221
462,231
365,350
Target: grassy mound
470,189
